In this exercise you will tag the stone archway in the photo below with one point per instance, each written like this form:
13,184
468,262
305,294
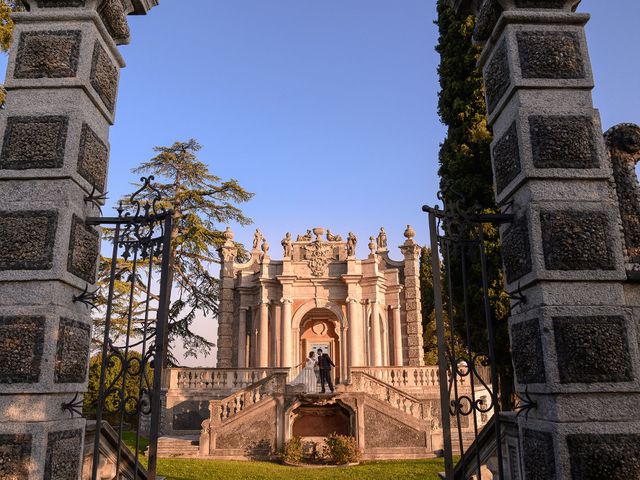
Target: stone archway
320,328
338,316
320,421
313,420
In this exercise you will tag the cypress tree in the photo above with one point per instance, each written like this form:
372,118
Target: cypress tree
466,179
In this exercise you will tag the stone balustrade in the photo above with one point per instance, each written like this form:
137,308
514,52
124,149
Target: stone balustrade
223,410
403,377
217,379
408,379
364,382
413,379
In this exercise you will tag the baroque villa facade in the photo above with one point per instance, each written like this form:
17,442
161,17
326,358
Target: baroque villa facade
365,312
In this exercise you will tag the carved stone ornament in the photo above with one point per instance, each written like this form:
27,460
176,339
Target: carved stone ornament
372,245
623,143
228,237
318,255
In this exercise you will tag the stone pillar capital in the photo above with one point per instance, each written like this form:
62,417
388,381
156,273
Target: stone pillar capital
286,300
352,300
113,13
141,7
478,7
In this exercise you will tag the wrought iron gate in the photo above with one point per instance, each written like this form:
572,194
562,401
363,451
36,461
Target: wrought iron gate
133,320
469,381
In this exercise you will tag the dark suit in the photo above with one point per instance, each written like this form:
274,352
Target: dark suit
325,365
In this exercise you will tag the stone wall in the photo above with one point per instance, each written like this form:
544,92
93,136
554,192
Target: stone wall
62,80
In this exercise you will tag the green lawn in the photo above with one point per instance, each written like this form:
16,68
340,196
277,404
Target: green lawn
193,469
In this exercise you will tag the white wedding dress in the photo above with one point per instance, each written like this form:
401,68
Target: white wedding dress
307,377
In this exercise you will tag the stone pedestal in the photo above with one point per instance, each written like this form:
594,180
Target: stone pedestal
62,82
574,342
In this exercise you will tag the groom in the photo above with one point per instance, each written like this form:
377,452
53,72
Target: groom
324,365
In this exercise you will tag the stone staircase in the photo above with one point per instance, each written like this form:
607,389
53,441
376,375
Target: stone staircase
178,446
245,421
390,395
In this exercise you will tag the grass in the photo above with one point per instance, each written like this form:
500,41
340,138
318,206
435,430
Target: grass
129,439
196,469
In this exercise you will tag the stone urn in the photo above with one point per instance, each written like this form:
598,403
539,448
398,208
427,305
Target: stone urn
318,232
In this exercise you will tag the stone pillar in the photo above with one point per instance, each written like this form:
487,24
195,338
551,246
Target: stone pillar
286,346
263,335
411,252
384,336
398,360
274,357
253,338
356,336
376,340
62,82
574,343
228,254
242,338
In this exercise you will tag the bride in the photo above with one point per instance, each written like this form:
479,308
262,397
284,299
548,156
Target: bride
307,375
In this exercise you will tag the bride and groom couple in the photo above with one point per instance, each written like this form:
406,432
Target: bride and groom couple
308,377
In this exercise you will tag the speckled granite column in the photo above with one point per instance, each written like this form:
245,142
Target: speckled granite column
228,254
62,81
411,293
574,342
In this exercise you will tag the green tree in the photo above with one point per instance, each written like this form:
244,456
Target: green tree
113,381
430,340
201,203
7,7
466,179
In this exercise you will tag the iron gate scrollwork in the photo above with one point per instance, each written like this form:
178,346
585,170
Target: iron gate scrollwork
134,323
469,381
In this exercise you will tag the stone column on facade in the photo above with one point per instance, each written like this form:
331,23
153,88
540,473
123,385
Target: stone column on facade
344,354
263,335
356,343
242,338
253,338
398,359
413,308
274,327
376,338
574,343
286,346
384,335
62,82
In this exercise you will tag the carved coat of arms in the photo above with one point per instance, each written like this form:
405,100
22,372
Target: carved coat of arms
318,256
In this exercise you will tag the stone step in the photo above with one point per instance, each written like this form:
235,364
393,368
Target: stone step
178,446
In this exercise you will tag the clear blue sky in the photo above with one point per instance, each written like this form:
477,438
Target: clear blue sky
325,109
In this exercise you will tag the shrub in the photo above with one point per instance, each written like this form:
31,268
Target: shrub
340,449
292,451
